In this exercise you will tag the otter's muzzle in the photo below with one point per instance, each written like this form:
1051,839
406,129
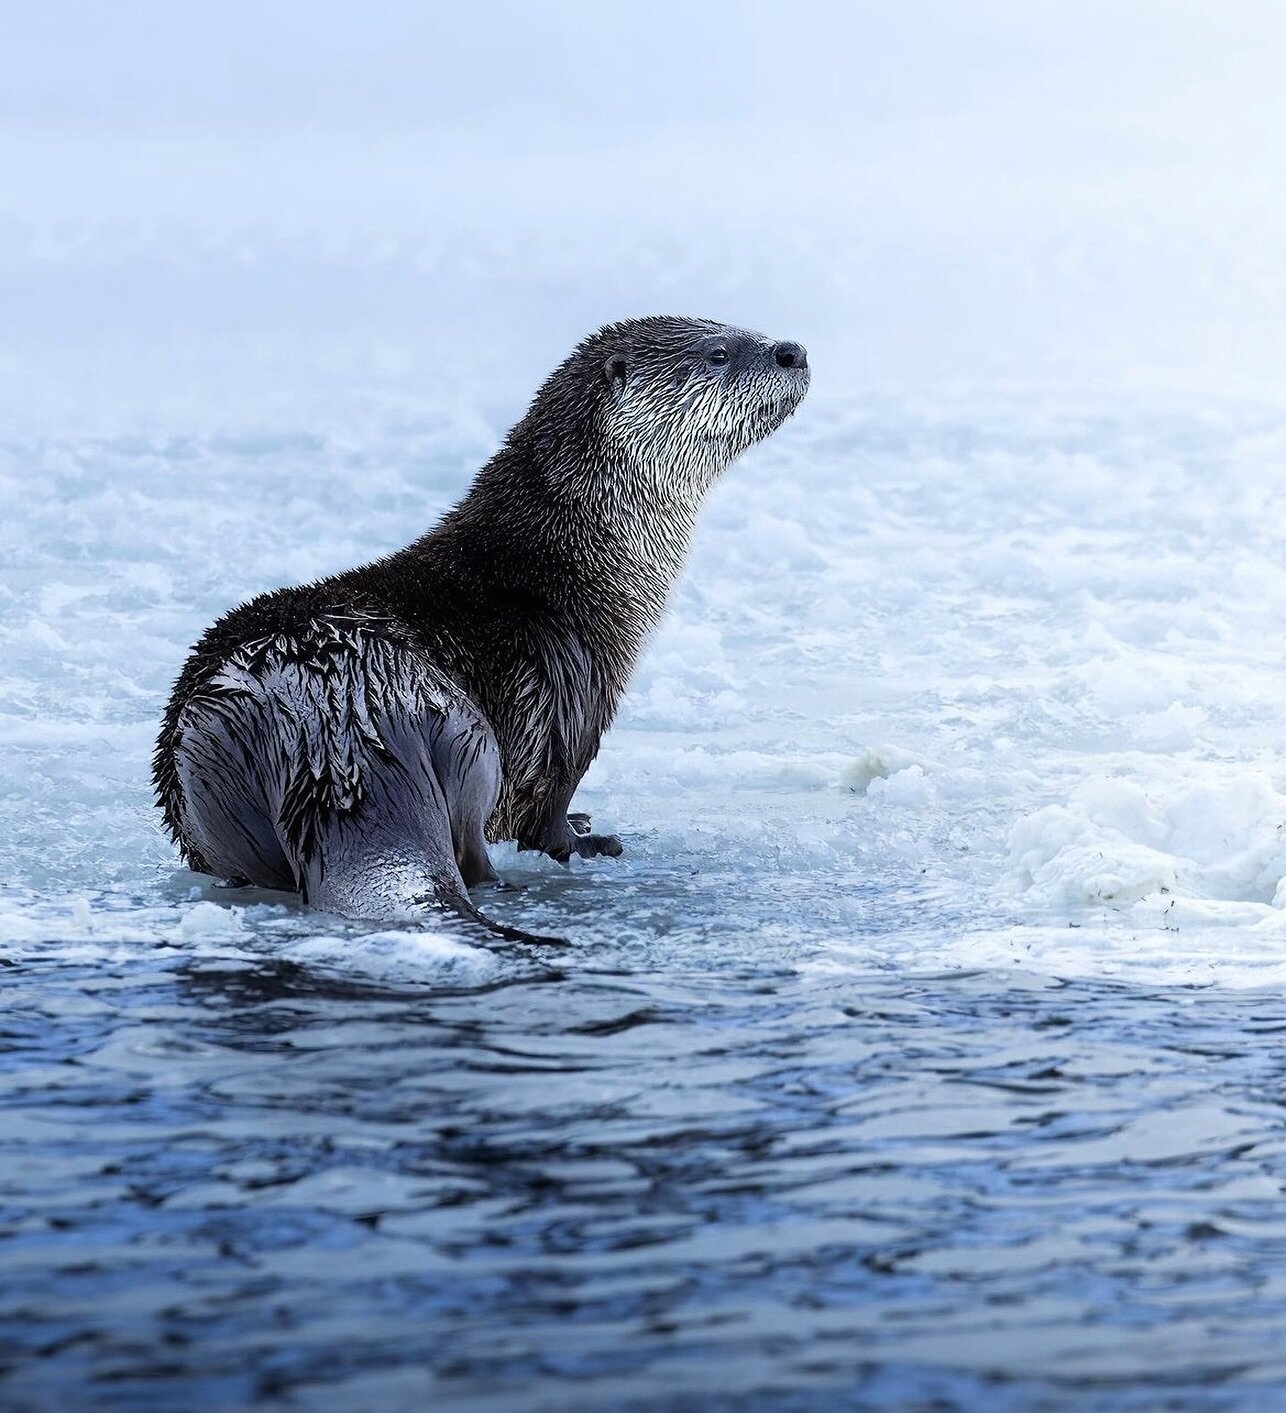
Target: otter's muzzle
790,355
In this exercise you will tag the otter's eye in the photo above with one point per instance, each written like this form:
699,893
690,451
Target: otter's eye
718,355
615,370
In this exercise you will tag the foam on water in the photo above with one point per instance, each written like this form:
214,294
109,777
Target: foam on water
229,936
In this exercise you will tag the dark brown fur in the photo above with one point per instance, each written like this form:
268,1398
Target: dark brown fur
355,737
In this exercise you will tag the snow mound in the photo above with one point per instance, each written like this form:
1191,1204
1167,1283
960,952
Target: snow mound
209,922
1212,846
881,763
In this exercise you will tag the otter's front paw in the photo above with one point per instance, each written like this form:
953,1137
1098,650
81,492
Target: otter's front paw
590,846
575,838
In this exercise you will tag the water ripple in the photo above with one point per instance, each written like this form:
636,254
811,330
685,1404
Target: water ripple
641,1188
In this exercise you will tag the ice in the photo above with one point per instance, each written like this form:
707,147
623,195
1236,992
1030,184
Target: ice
1220,838
977,662
950,677
879,767
209,921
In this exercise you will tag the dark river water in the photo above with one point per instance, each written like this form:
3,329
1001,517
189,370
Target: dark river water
654,1176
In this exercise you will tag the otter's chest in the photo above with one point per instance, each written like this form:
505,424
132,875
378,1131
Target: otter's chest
555,703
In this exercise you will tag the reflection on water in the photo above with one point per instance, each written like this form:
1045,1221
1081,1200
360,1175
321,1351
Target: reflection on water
613,1178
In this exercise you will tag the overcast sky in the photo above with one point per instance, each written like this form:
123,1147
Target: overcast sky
921,190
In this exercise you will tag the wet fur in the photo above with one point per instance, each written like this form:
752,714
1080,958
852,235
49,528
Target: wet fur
356,739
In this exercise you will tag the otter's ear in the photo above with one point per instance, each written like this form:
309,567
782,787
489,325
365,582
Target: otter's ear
616,370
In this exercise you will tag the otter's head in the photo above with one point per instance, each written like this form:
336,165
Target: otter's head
691,389
670,399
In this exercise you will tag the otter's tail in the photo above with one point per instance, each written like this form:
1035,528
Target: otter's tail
392,889
448,895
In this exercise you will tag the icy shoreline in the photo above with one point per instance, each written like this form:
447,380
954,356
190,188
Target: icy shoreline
1017,668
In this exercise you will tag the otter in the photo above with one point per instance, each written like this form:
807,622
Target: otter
358,740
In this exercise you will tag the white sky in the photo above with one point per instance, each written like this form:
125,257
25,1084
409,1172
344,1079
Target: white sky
921,191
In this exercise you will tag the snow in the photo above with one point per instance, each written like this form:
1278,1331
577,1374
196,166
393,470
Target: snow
1218,839
1050,709
978,662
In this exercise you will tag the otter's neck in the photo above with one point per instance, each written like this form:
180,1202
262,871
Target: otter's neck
596,542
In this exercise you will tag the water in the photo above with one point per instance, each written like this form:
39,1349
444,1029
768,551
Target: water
923,1050
676,1175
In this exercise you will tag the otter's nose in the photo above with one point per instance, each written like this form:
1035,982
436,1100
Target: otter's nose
790,355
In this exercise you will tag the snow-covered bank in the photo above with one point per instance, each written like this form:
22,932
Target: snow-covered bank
938,681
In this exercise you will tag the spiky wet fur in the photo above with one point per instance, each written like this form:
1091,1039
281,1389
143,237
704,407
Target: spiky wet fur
351,738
